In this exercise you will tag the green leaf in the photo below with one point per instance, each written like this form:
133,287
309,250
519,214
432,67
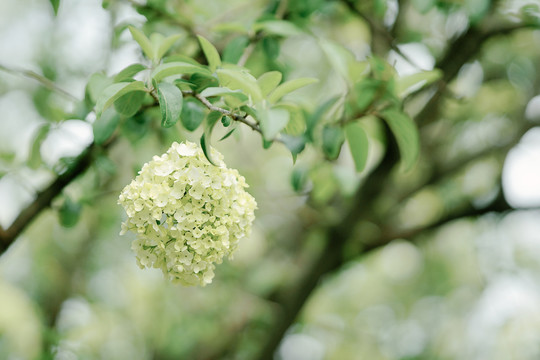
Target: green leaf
55,5
269,81
234,49
165,45
222,91
211,120
192,114
95,86
271,47
313,119
105,125
128,72
250,111
407,84
229,133
365,92
406,134
299,177
170,103
332,140
130,103
277,27
203,81
338,56
135,128
143,42
297,120
240,80
288,87
211,53
272,121
34,160
358,144
69,213
295,144
114,92
177,68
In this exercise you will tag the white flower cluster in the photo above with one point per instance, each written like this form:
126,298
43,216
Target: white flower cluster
187,213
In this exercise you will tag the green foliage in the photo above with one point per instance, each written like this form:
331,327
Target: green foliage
105,125
332,140
288,87
170,103
129,72
272,121
55,5
358,144
177,68
211,119
69,213
113,92
192,114
34,159
211,53
406,134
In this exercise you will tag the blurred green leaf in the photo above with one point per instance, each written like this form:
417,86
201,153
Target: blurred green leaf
240,80
332,140
358,144
299,178
135,128
211,119
272,121
365,92
314,118
113,92
271,47
55,5
130,103
170,103
406,134
69,213
295,144
95,86
211,53
269,81
288,87
177,68
143,42
221,91
192,114
203,81
128,72
407,84
235,48
277,27
165,45
105,125
34,159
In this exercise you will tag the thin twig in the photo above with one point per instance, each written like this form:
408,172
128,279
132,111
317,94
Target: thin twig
41,79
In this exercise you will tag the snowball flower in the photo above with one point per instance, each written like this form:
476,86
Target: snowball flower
187,214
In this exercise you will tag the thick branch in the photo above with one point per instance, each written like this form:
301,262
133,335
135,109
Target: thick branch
44,198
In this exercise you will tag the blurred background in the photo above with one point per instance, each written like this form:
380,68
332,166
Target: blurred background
451,276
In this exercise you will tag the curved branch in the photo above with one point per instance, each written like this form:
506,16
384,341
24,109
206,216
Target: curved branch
44,198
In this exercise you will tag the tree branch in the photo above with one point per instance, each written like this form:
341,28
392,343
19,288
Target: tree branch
41,79
44,198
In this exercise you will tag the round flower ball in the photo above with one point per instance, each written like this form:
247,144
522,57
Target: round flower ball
187,214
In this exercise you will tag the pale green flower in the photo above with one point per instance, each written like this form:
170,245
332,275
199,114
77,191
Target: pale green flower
187,213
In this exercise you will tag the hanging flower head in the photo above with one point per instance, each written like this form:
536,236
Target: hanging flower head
187,213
